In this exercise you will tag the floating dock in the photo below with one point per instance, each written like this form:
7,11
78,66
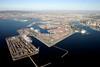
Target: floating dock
20,48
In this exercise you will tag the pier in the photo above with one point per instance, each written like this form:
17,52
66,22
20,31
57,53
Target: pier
19,48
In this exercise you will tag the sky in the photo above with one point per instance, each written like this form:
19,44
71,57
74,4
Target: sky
49,4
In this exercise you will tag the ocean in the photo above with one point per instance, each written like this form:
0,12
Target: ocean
82,48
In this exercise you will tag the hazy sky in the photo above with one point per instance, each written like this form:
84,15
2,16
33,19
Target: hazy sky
49,4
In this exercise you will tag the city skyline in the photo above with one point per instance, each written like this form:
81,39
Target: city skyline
49,4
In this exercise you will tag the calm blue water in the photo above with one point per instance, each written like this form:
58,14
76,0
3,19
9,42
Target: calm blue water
78,45
9,28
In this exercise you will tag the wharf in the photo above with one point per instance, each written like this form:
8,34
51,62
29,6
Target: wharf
20,48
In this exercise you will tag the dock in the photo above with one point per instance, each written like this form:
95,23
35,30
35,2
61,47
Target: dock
46,39
20,48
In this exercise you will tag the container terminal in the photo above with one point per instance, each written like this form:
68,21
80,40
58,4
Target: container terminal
19,48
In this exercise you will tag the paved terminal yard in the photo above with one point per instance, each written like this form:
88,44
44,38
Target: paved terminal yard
49,39
20,48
